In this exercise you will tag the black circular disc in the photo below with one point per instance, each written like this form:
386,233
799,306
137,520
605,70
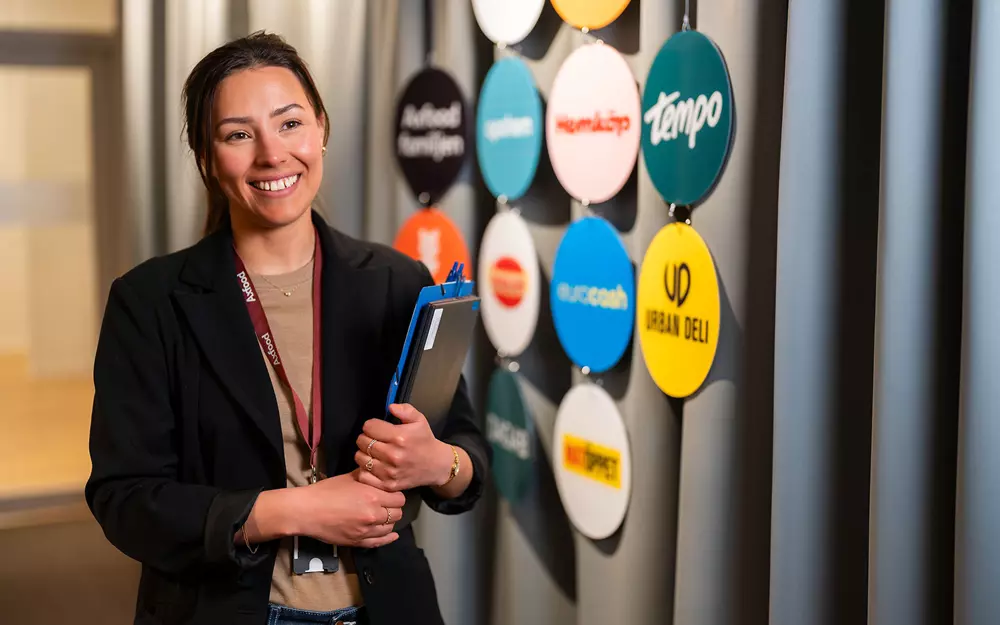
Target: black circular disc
432,136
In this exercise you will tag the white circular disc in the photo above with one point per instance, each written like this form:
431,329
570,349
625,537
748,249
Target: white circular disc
509,283
592,460
507,21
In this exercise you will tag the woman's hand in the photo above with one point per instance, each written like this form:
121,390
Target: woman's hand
403,456
343,511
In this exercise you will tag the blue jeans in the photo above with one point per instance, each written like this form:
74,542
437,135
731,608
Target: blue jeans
280,615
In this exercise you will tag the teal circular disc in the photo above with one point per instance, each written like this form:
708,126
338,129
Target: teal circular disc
687,118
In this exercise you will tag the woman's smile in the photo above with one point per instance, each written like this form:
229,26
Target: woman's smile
275,187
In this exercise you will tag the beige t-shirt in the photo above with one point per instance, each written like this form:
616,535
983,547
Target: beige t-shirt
291,321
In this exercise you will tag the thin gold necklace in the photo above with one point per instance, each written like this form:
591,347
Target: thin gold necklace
291,289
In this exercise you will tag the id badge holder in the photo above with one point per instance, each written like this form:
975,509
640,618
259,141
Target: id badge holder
313,556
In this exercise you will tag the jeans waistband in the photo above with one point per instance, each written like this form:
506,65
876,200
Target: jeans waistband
283,615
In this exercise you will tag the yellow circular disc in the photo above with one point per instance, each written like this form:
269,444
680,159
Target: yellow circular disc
677,308
591,14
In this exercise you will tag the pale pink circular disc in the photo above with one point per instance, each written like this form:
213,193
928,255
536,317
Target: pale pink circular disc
593,124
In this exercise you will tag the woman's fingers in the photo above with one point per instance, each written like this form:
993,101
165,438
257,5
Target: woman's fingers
380,541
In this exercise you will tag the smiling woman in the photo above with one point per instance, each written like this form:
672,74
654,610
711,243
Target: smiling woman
239,446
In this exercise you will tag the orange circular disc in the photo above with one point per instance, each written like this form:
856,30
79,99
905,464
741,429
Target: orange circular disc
432,238
590,14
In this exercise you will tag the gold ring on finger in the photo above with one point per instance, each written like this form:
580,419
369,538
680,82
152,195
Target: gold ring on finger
370,464
388,516
369,451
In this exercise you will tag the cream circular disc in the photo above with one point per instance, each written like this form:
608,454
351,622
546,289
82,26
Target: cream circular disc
592,461
593,124
509,283
507,21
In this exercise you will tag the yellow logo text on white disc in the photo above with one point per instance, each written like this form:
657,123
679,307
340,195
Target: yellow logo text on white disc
677,308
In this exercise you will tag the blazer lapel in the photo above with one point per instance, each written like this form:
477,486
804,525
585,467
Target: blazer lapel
222,327
353,307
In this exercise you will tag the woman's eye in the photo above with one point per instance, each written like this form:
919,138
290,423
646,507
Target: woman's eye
292,123
239,134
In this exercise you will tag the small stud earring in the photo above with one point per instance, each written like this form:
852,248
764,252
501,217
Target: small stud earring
324,150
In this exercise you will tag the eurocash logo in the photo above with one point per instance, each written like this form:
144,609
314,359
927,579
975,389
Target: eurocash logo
592,294
598,297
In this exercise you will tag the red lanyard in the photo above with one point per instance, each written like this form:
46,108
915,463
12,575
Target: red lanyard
311,432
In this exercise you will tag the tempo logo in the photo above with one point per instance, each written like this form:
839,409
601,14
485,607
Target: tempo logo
598,297
245,285
508,127
508,436
592,461
509,281
609,123
669,117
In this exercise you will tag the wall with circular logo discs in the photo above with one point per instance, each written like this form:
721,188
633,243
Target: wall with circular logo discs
595,123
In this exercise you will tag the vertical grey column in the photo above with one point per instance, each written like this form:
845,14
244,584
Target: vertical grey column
706,591
628,578
193,28
381,61
138,160
919,317
804,358
977,601
454,545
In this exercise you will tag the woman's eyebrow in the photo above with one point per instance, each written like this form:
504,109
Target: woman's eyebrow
246,120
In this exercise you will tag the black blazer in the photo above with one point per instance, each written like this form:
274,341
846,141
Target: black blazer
186,434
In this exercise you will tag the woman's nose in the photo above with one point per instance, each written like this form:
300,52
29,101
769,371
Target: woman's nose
270,151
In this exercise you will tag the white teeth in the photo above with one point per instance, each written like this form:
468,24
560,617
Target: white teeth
276,185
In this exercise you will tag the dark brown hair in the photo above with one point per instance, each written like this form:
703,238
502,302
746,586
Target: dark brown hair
258,49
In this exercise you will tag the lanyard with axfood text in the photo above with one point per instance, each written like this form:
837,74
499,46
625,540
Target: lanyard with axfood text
310,429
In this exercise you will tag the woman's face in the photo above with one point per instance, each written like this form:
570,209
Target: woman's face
266,146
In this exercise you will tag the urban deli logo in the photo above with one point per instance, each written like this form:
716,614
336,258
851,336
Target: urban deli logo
597,123
677,283
508,436
670,117
592,461
509,281
245,286
432,124
595,297
508,127
269,348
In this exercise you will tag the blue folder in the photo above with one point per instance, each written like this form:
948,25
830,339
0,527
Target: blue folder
455,285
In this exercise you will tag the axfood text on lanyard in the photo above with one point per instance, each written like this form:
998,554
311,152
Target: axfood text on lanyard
310,429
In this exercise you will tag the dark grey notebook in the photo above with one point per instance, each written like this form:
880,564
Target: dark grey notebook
437,354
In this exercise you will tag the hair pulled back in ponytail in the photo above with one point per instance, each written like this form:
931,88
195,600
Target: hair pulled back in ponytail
259,49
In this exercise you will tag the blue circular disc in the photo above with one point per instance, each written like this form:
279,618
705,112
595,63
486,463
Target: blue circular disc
509,128
593,294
